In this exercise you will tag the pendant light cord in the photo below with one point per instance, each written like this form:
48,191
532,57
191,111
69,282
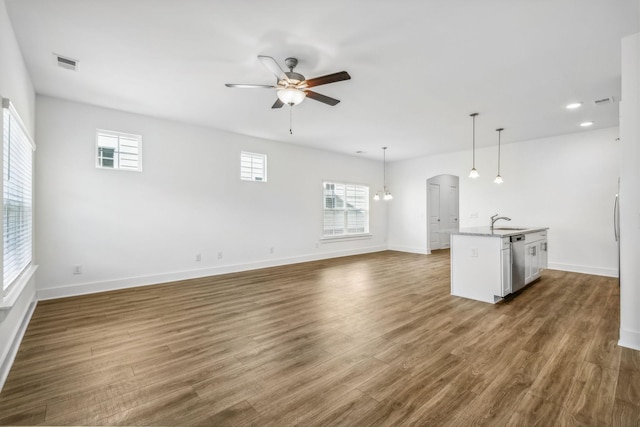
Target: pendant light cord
499,132
384,167
474,139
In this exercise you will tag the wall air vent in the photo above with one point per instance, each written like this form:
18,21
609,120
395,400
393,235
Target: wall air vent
64,62
604,101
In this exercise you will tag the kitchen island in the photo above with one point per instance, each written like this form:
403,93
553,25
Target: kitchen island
488,264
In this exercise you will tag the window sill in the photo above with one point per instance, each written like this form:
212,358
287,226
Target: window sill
344,238
10,297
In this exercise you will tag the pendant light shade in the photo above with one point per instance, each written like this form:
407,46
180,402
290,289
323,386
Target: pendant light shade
474,173
498,179
386,194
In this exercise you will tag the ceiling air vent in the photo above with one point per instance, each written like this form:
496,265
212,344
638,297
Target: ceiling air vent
64,62
604,101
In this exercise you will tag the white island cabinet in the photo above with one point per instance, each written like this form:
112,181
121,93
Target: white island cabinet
535,252
482,261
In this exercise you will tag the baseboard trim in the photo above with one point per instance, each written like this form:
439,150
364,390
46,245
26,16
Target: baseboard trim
7,362
597,271
409,249
629,339
131,282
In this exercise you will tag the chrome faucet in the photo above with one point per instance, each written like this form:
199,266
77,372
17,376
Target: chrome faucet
494,219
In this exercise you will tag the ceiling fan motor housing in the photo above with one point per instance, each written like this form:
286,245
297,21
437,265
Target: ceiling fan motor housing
291,64
295,77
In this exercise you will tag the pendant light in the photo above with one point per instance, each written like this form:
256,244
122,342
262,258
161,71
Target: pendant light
474,173
386,194
498,179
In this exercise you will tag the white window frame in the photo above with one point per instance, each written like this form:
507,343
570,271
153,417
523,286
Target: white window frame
120,155
17,248
253,166
345,205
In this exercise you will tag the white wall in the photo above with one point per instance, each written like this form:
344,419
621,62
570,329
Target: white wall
630,194
15,84
567,183
129,228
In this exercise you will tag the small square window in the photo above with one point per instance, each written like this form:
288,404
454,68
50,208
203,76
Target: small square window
253,167
116,150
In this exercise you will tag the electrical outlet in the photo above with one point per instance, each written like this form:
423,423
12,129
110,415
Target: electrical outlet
272,250
473,215
474,252
76,269
219,255
198,257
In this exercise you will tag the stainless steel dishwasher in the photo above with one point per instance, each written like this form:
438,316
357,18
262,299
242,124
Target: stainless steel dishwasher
517,266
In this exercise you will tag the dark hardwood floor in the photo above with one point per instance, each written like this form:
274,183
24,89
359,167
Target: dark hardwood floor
364,340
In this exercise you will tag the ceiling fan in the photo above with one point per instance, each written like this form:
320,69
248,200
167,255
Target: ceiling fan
292,88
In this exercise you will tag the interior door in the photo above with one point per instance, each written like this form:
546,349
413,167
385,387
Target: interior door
451,209
434,217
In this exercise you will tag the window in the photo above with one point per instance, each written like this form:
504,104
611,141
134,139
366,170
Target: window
253,167
116,150
346,209
17,216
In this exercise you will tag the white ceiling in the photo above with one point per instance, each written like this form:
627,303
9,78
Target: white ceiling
418,67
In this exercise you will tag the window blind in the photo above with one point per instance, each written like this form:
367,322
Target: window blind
17,195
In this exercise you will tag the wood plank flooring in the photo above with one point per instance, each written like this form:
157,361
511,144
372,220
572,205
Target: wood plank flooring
365,340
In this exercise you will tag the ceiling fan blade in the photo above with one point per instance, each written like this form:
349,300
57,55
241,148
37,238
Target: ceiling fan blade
249,86
273,66
329,78
322,98
277,104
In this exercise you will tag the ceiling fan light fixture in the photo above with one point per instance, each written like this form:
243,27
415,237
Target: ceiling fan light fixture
291,96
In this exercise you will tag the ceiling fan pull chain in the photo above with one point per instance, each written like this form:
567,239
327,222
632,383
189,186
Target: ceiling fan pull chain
291,119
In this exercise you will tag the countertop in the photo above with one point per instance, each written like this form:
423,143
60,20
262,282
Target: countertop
498,231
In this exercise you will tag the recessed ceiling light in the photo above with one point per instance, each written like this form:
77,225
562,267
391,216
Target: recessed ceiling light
573,105
586,124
